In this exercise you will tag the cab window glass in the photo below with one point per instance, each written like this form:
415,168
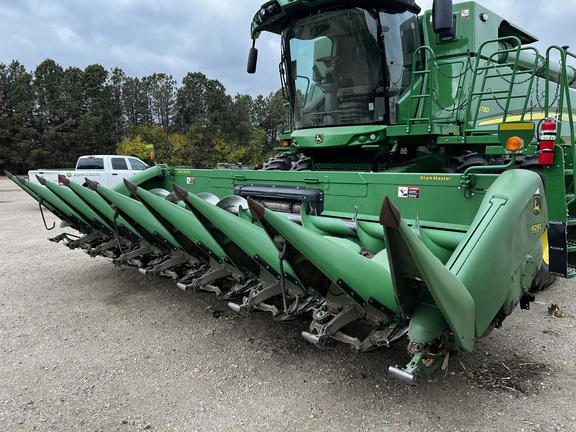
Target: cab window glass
137,165
90,163
119,164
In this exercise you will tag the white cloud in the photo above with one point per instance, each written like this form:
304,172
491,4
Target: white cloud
68,36
46,9
176,37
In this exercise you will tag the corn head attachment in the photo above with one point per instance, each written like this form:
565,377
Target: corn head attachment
425,188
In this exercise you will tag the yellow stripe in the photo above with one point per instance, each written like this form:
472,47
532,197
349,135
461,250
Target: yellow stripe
517,118
517,126
545,247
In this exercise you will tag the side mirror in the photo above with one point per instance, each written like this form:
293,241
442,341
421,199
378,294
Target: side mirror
442,16
252,60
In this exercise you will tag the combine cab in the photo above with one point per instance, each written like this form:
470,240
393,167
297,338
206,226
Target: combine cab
425,190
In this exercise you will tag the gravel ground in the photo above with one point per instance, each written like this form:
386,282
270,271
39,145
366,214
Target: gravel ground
86,346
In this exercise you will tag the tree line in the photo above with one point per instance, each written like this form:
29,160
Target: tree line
50,116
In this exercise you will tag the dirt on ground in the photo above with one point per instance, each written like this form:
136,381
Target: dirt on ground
87,346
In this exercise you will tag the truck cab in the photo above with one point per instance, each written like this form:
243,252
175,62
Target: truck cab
107,170
118,167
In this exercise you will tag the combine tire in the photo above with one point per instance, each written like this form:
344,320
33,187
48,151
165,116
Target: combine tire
288,162
543,279
302,163
280,162
463,161
530,163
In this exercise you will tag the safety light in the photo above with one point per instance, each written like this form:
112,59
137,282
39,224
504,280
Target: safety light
285,143
267,12
274,9
514,143
513,135
150,150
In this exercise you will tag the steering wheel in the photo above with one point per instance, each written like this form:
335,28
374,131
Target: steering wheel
328,60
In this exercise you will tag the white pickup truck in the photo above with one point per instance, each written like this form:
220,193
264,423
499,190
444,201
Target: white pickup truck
107,170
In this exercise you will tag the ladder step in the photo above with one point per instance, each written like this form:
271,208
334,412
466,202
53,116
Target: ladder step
571,222
571,272
491,66
571,246
569,172
485,93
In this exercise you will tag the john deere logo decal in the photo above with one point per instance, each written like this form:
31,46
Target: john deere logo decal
537,206
319,138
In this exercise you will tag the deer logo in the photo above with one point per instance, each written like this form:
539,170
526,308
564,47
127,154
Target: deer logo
537,206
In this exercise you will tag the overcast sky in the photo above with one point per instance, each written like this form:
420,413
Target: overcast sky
175,37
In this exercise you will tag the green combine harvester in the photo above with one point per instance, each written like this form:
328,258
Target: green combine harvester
424,190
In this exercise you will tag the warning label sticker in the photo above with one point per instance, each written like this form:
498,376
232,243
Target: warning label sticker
411,192
190,180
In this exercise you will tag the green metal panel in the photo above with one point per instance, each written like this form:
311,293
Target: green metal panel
472,30
246,244
506,230
151,177
103,209
411,262
79,221
362,278
556,186
438,198
339,136
135,212
23,184
426,323
76,203
177,219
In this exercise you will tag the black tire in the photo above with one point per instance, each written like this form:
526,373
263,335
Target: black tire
530,163
280,162
302,163
463,161
543,278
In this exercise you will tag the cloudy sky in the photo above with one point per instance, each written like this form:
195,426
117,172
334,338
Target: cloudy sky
179,36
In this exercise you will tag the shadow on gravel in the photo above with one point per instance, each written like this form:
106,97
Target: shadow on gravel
283,349
121,297
516,375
